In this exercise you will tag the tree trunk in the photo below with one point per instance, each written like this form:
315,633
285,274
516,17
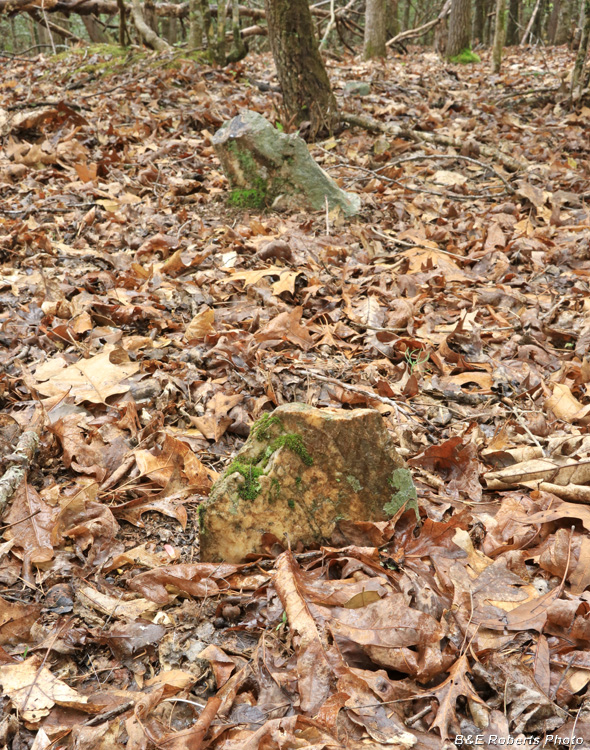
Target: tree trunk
407,15
563,35
513,21
95,33
531,22
169,30
480,20
375,30
307,94
488,36
578,75
392,20
148,35
537,29
239,48
459,38
499,35
218,47
553,21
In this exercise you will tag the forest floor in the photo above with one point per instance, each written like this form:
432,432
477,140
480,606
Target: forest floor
144,325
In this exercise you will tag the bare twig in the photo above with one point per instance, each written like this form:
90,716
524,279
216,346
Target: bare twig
420,136
21,459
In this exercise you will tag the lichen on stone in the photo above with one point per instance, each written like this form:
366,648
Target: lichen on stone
354,483
404,493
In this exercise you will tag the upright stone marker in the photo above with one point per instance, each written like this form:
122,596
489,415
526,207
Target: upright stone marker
301,470
266,167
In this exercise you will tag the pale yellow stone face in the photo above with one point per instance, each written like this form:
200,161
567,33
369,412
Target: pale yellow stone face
297,488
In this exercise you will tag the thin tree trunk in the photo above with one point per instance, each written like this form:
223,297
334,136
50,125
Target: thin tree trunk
513,21
459,38
95,33
531,22
239,48
123,32
148,35
578,75
392,20
218,49
407,15
537,30
553,21
480,20
375,30
307,94
195,24
563,34
499,35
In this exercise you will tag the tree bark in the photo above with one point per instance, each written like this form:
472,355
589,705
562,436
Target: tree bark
553,21
392,20
579,73
531,22
459,38
499,35
239,48
96,34
145,32
375,30
307,94
563,34
479,21
513,21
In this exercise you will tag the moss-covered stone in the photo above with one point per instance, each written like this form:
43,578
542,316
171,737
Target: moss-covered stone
301,470
264,165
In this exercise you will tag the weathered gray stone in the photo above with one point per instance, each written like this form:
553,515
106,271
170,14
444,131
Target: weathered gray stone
265,166
301,470
357,88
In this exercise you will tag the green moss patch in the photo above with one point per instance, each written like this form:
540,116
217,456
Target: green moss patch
255,196
294,443
465,57
251,487
252,469
252,198
262,427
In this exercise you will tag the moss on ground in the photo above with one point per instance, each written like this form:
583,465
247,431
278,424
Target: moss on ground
465,57
252,198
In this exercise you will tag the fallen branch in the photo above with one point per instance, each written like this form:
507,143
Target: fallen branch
460,157
420,136
21,460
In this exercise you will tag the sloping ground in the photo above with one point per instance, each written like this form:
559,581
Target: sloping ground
144,325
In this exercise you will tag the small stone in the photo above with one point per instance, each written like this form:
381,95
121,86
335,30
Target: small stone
301,470
231,612
357,88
